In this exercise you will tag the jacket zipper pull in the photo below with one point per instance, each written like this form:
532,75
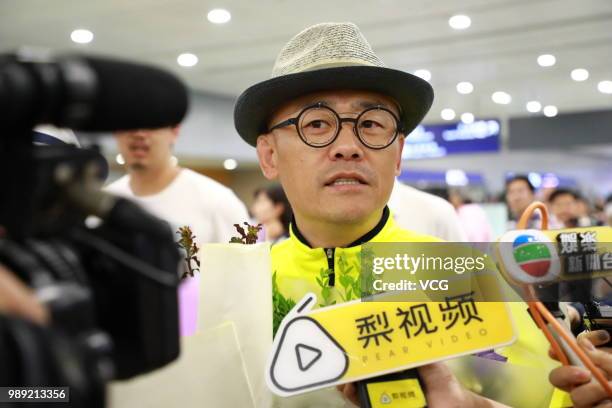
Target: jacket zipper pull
329,252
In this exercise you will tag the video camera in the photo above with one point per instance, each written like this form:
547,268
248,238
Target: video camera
111,289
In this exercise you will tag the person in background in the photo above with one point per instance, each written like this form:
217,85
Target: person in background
519,194
564,208
608,210
472,217
425,213
177,195
272,209
584,213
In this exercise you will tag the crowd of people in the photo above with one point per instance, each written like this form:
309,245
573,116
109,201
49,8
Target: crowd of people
469,222
568,208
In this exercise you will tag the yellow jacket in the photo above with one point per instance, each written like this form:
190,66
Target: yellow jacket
333,275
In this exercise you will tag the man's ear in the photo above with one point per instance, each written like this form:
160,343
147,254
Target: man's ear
175,132
268,156
398,161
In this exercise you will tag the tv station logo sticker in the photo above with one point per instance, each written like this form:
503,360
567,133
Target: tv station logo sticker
356,340
528,256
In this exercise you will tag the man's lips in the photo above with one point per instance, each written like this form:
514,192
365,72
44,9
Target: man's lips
138,147
348,178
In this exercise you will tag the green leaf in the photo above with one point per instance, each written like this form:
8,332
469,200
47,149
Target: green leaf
280,304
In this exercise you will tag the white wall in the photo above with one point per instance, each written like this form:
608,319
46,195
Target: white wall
209,131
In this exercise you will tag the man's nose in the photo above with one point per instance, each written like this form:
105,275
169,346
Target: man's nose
346,146
140,133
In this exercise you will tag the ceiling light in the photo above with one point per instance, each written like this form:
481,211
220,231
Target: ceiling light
119,159
535,179
447,114
550,111
546,60
459,22
465,88
187,60
534,106
456,177
579,74
423,74
81,36
501,97
230,164
219,16
467,118
605,87
549,180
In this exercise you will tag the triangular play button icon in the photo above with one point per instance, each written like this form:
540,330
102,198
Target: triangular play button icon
297,366
306,356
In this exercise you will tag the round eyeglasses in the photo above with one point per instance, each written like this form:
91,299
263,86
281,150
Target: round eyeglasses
319,125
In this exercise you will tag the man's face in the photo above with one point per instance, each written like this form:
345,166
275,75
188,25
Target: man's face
564,208
146,148
345,182
582,208
518,196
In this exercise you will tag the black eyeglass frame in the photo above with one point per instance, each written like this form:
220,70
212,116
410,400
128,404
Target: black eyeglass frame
296,120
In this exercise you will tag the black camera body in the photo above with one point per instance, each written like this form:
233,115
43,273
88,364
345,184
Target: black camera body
107,270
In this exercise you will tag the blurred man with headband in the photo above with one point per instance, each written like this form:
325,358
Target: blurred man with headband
178,195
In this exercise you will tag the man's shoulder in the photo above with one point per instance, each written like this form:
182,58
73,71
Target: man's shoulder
192,176
212,194
281,247
422,199
398,234
119,186
203,183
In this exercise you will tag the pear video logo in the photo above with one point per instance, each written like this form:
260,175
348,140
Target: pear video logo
385,398
305,355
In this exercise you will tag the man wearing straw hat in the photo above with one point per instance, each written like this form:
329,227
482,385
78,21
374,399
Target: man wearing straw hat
330,126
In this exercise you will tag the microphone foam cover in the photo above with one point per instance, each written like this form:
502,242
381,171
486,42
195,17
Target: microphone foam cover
134,96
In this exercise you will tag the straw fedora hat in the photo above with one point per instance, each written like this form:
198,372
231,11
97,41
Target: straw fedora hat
329,56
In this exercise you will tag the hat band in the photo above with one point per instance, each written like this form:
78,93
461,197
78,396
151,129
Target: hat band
324,64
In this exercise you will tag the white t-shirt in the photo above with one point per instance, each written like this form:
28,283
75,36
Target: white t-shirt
206,206
425,213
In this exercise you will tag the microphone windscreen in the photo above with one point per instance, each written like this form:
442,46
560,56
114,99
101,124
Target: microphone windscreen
134,96
528,257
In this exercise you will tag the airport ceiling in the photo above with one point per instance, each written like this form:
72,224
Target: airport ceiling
498,52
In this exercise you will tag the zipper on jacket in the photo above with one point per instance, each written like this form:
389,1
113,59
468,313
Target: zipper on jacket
329,253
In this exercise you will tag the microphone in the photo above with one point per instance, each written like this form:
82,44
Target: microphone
572,257
88,94
77,92
528,257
